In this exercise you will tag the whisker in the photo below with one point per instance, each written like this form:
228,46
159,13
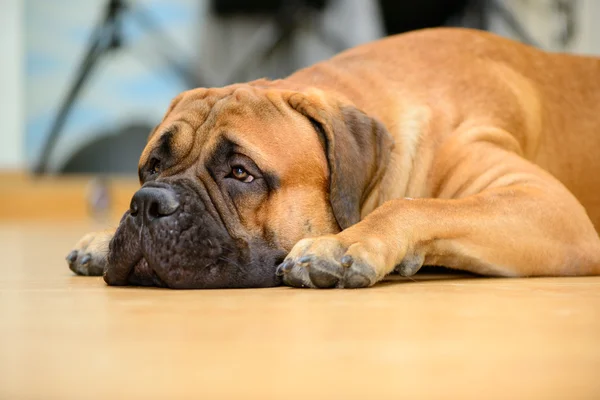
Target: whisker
221,258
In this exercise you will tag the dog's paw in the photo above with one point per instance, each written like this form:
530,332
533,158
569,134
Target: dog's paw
88,256
330,262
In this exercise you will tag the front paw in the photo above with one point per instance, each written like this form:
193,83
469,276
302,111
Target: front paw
88,256
332,262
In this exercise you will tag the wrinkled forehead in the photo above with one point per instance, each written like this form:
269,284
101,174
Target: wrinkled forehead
257,120
175,135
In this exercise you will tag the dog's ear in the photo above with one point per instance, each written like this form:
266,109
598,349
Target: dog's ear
358,149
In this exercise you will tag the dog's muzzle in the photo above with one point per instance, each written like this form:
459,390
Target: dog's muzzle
169,239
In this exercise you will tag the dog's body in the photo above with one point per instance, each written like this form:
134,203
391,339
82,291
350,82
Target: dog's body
442,147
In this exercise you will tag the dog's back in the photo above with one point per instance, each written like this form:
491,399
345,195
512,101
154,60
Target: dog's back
549,102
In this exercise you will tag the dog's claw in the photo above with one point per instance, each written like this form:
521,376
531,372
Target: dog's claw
347,261
305,260
287,266
85,259
279,271
71,257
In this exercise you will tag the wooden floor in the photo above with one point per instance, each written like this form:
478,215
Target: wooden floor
453,337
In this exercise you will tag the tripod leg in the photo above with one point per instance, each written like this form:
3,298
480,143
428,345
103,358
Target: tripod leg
89,61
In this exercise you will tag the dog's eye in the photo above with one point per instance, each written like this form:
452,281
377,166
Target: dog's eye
241,174
154,166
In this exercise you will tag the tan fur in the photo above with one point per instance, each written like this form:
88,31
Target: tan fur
474,113
494,169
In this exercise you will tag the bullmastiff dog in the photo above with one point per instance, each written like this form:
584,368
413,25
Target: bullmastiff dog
447,147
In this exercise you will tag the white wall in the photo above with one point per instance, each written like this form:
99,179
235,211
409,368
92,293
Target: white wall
541,20
589,36
12,155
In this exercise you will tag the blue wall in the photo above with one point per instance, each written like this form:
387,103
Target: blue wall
133,83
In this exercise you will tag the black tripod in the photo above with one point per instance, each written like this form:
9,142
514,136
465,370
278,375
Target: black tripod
106,36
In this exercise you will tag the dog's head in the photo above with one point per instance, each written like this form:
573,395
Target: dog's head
233,177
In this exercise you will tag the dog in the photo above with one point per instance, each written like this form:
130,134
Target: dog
447,147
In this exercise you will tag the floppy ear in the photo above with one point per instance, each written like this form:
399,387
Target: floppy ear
358,150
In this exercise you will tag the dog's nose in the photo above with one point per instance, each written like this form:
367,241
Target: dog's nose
150,203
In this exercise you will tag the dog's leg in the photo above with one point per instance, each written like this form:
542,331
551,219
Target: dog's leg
501,215
88,256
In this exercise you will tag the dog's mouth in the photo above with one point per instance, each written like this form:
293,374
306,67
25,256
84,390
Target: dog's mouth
168,239
143,275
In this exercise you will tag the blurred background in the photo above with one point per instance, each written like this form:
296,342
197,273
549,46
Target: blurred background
84,82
